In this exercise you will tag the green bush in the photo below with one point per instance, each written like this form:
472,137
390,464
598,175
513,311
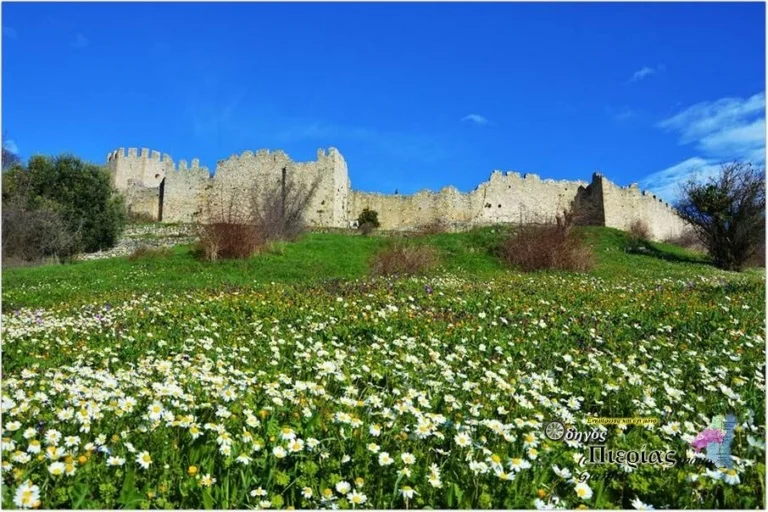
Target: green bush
369,217
81,192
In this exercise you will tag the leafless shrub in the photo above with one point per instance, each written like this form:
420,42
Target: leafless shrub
434,227
279,208
144,252
238,225
404,260
687,240
552,245
639,230
366,228
34,234
228,230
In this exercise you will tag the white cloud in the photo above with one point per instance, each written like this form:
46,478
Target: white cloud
11,146
476,118
666,183
726,130
10,32
707,118
643,72
80,41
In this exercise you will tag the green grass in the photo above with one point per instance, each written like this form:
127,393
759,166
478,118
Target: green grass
314,258
209,362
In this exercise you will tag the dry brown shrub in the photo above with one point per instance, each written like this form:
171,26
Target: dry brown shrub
144,252
400,259
688,239
435,227
238,225
548,246
366,228
639,230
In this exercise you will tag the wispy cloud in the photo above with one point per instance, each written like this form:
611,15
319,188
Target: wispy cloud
725,130
476,119
418,147
666,183
80,41
11,146
644,72
620,113
10,32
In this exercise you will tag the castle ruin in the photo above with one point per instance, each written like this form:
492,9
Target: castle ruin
154,186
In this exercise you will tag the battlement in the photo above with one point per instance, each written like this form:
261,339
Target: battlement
507,196
133,153
147,155
633,189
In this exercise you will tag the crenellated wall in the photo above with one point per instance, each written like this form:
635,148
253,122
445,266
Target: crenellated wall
624,205
155,186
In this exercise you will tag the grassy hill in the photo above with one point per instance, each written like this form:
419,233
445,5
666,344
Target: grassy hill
292,380
313,259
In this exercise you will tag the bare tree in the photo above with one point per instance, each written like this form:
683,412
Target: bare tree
280,208
727,212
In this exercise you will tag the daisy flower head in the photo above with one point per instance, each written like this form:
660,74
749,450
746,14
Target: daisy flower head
27,495
731,477
385,459
639,505
295,445
144,459
356,498
462,439
583,490
56,468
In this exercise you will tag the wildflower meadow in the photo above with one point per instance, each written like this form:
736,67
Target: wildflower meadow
423,392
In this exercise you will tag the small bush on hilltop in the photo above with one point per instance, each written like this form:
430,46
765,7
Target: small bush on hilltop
549,246
639,236
404,260
368,220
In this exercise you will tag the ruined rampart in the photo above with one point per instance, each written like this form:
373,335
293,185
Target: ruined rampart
156,187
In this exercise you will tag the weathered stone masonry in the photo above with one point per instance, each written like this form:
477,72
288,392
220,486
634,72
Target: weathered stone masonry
156,187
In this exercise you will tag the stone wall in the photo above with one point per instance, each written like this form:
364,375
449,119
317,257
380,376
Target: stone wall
156,187
625,205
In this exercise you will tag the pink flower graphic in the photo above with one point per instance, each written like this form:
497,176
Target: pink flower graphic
706,436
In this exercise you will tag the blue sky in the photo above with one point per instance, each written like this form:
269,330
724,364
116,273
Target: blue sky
414,95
